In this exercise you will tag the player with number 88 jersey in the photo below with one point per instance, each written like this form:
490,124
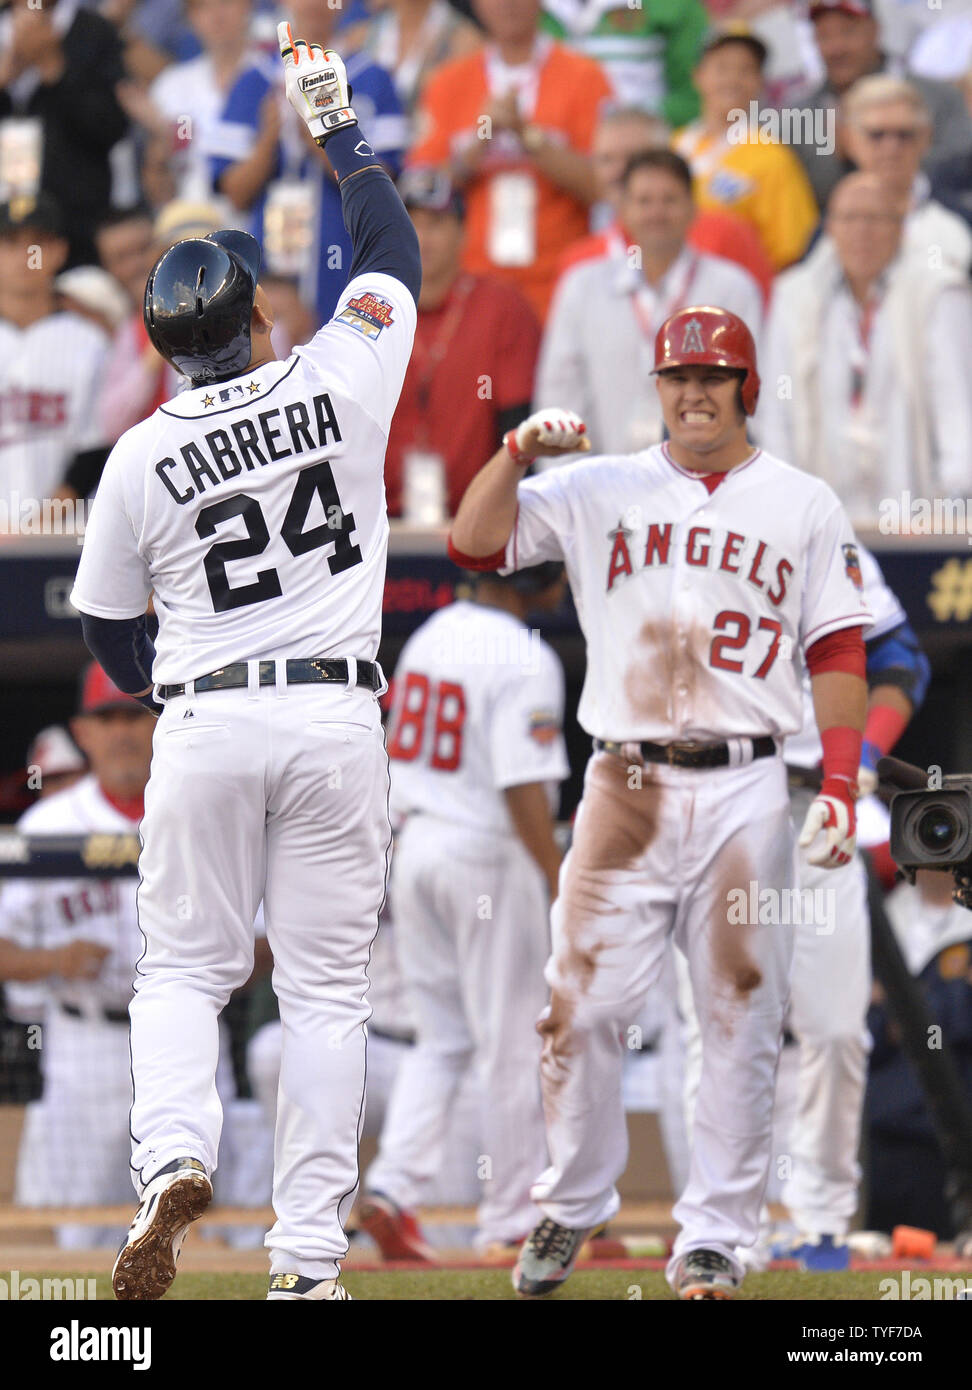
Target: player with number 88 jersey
476,754
700,569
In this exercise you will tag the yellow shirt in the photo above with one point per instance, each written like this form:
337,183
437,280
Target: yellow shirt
765,184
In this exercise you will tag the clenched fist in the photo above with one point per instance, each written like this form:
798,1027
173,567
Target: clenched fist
547,433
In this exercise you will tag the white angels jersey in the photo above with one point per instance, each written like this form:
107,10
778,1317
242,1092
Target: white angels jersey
255,508
478,706
696,607
49,913
49,380
805,749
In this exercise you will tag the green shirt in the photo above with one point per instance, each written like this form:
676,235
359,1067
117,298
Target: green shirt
649,51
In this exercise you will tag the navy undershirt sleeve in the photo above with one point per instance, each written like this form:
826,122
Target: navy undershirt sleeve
382,236
124,650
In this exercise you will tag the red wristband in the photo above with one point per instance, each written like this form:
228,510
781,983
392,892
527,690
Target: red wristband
884,727
521,459
841,755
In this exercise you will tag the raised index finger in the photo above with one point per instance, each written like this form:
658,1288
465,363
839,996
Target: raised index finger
285,39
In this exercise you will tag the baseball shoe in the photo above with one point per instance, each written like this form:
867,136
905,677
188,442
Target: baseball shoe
816,1254
547,1257
300,1286
175,1198
705,1274
394,1230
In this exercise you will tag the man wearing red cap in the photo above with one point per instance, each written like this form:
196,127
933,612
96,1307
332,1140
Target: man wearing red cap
706,576
80,938
849,39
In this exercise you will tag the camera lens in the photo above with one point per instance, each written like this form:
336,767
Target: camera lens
937,829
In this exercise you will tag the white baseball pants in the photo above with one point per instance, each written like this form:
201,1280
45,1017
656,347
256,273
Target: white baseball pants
277,793
646,861
472,937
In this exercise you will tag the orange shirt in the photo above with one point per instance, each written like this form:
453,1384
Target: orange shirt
503,237
712,233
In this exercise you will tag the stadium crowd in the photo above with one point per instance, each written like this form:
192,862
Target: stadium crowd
576,170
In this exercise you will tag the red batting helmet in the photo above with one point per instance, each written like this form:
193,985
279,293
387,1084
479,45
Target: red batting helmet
711,337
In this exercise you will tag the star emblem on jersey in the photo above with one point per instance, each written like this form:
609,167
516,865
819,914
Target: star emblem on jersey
368,313
692,337
208,401
253,387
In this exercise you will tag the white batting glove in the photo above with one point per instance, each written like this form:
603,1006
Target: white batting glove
317,85
832,812
546,433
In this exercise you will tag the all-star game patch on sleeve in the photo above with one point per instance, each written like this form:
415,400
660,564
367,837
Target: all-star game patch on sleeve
833,591
366,346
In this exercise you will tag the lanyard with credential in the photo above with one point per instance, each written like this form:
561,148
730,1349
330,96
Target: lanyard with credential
650,323
435,355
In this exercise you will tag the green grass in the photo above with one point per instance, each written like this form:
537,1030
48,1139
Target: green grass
494,1284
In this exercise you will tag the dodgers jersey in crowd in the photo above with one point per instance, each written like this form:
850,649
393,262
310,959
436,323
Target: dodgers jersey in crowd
255,509
695,606
49,376
805,749
478,707
54,912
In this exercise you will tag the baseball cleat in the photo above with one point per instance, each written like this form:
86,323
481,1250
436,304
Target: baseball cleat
705,1274
394,1230
300,1286
547,1257
175,1198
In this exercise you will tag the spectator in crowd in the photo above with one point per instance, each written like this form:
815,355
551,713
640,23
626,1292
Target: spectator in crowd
470,375
514,125
598,346
623,132
866,362
50,364
136,380
411,38
887,132
156,175
184,104
849,40
95,295
54,761
265,164
734,169
58,70
906,1181
648,51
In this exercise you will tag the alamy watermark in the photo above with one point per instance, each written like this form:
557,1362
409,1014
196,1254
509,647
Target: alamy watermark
43,516
15,1288
783,907
812,127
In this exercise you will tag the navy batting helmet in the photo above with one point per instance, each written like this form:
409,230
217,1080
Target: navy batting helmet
529,581
198,302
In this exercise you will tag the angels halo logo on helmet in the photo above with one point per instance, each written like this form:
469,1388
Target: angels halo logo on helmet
703,335
198,302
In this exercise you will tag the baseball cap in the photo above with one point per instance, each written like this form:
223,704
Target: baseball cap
736,32
94,289
182,219
431,189
55,752
99,692
859,9
40,212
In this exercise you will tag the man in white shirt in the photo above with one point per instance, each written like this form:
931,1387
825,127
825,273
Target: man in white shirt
888,130
867,361
598,348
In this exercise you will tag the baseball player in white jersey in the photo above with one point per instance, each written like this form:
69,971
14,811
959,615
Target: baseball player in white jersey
50,363
831,973
253,506
700,569
80,937
476,755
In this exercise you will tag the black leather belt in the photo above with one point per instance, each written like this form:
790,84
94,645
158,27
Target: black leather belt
299,672
689,754
109,1015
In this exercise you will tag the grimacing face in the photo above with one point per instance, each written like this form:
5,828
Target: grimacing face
700,406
